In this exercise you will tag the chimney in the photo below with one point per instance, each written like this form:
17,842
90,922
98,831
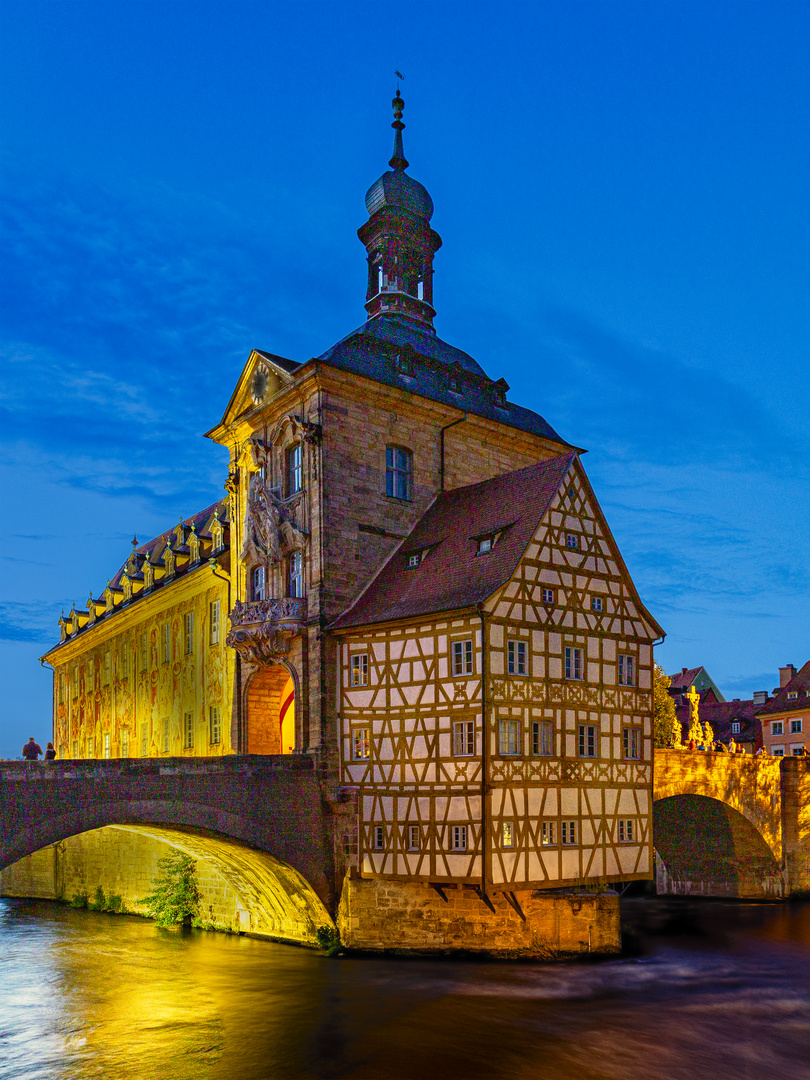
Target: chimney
786,674
684,670
760,697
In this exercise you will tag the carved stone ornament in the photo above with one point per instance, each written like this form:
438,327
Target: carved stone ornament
259,384
262,631
271,529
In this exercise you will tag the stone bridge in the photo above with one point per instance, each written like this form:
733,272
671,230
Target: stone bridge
262,822
731,825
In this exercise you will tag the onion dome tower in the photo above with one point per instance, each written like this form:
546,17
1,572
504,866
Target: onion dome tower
399,240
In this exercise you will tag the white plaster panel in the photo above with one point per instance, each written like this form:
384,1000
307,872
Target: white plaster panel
551,860
569,802
570,864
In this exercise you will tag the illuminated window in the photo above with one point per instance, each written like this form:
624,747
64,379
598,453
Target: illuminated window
295,574
778,751
549,835
258,584
124,742
776,727
458,838
626,671
213,623
484,545
543,738
572,541
398,469
568,831
507,834
596,603
792,695
379,837
413,838
166,642
214,725
516,658
587,741
463,738
294,472
625,830
631,742
359,669
75,748
107,750
735,727
509,738
795,727
361,749
573,663
462,657
549,596
188,730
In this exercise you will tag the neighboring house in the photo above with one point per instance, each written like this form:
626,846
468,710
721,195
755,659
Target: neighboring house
738,720
699,678
786,716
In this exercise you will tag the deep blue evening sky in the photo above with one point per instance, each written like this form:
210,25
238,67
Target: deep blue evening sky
621,191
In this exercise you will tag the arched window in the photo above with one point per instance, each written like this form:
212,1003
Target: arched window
258,584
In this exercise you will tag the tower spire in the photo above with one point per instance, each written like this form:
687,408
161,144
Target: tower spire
398,161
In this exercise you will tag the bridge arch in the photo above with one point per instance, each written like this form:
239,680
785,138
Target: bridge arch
706,846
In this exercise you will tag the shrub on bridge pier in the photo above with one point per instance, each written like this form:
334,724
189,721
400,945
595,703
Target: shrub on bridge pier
175,896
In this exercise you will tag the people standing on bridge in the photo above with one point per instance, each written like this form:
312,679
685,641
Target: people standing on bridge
32,750
719,747
50,753
732,746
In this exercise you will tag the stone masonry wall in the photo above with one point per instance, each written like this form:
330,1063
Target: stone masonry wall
412,916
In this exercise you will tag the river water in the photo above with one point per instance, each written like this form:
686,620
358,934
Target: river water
715,990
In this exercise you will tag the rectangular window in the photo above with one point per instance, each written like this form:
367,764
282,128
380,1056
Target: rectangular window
359,669
573,663
549,833
75,748
509,738
143,652
797,750
294,472
516,657
414,560
360,744
507,834
91,746
543,738
484,545
776,727
214,725
626,672
166,642
107,667
463,738
735,727
107,749
258,591
596,603
124,742
569,832
88,677
295,573
166,736
778,751
62,693
74,681
189,627
413,837
587,740
625,830
795,727
398,468
379,837
549,596
213,623
458,837
631,742
572,541
144,740
462,657
188,730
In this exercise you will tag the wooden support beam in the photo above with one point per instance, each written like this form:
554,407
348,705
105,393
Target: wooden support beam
439,887
512,900
484,898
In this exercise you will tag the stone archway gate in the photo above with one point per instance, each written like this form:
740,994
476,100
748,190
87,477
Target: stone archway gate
273,804
772,794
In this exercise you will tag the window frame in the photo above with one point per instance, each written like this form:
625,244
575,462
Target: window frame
549,594
626,669
463,651
458,838
414,838
188,633
214,725
542,736
574,667
596,604
548,833
398,472
508,835
358,666
568,832
588,740
795,726
295,574
464,736
572,541
631,740
188,730
294,469
777,727
213,622
517,656
258,584
361,743
736,727
510,727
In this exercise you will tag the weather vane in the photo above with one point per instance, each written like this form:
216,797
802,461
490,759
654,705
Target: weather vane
400,78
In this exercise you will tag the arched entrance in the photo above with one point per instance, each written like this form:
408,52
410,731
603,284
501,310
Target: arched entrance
270,706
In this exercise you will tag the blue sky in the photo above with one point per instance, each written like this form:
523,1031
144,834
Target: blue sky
620,188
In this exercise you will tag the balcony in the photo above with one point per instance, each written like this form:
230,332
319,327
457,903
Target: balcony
262,630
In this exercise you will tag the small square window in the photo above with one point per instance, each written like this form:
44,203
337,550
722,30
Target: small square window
776,727
543,738
484,545
361,749
735,727
573,663
625,830
572,541
549,834
458,837
379,837
463,738
359,669
596,603
507,834
569,832
549,596
414,838
509,738
795,727
462,657
516,658
414,560
587,740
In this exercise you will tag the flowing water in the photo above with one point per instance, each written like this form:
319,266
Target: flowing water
716,990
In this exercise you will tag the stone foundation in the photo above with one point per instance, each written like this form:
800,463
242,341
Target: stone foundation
413,917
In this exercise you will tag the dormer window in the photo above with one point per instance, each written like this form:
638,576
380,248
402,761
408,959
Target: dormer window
485,545
414,560
792,695
404,364
216,534
735,727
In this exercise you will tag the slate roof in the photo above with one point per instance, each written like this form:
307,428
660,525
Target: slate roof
721,715
800,683
684,679
452,575
372,351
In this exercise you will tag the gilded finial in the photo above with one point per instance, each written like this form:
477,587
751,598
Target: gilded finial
134,542
398,161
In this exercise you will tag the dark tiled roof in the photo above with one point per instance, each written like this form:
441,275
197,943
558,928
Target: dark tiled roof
153,549
721,715
282,361
452,575
372,351
800,683
684,679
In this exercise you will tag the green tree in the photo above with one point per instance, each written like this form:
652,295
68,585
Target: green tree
175,897
666,729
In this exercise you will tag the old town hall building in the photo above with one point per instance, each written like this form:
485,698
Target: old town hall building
410,577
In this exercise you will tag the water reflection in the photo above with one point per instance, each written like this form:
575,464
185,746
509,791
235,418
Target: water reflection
716,990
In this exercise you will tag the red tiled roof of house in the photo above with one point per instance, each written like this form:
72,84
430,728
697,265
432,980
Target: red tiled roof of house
685,678
452,575
721,715
781,702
